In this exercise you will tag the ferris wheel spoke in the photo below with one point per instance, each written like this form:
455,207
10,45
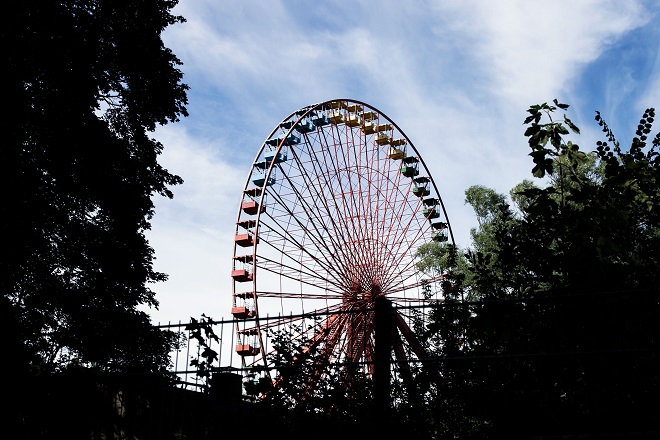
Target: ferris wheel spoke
389,226
349,188
319,237
403,253
342,223
301,259
367,253
404,246
393,191
310,210
328,294
301,273
290,247
418,283
363,252
314,213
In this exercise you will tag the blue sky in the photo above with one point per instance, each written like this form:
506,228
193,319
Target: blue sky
456,76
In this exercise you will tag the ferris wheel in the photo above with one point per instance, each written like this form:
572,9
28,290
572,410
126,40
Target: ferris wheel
336,203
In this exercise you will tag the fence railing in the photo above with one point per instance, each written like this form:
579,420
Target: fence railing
187,362
202,336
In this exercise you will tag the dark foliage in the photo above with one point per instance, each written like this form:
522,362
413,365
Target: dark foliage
562,330
85,83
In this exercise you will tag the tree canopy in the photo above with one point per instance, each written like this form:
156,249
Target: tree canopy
86,81
559,329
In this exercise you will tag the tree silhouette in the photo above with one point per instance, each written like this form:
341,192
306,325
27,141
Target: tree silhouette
86,81
562,333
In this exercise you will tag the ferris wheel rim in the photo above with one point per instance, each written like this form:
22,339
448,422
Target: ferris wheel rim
293,119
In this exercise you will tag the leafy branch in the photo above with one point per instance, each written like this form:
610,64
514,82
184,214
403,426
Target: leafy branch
202,332
552,132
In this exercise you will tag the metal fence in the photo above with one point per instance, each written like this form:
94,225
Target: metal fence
191,362
185,361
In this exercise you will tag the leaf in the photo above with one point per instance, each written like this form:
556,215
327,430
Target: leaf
572,126
532,129
539,154
538,171
209,354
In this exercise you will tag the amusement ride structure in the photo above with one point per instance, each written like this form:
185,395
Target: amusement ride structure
334,208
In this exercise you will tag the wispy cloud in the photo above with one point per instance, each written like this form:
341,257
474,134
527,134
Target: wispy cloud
456,76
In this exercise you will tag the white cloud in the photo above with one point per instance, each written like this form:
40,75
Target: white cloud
192,234
650,97
531,49
456,76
